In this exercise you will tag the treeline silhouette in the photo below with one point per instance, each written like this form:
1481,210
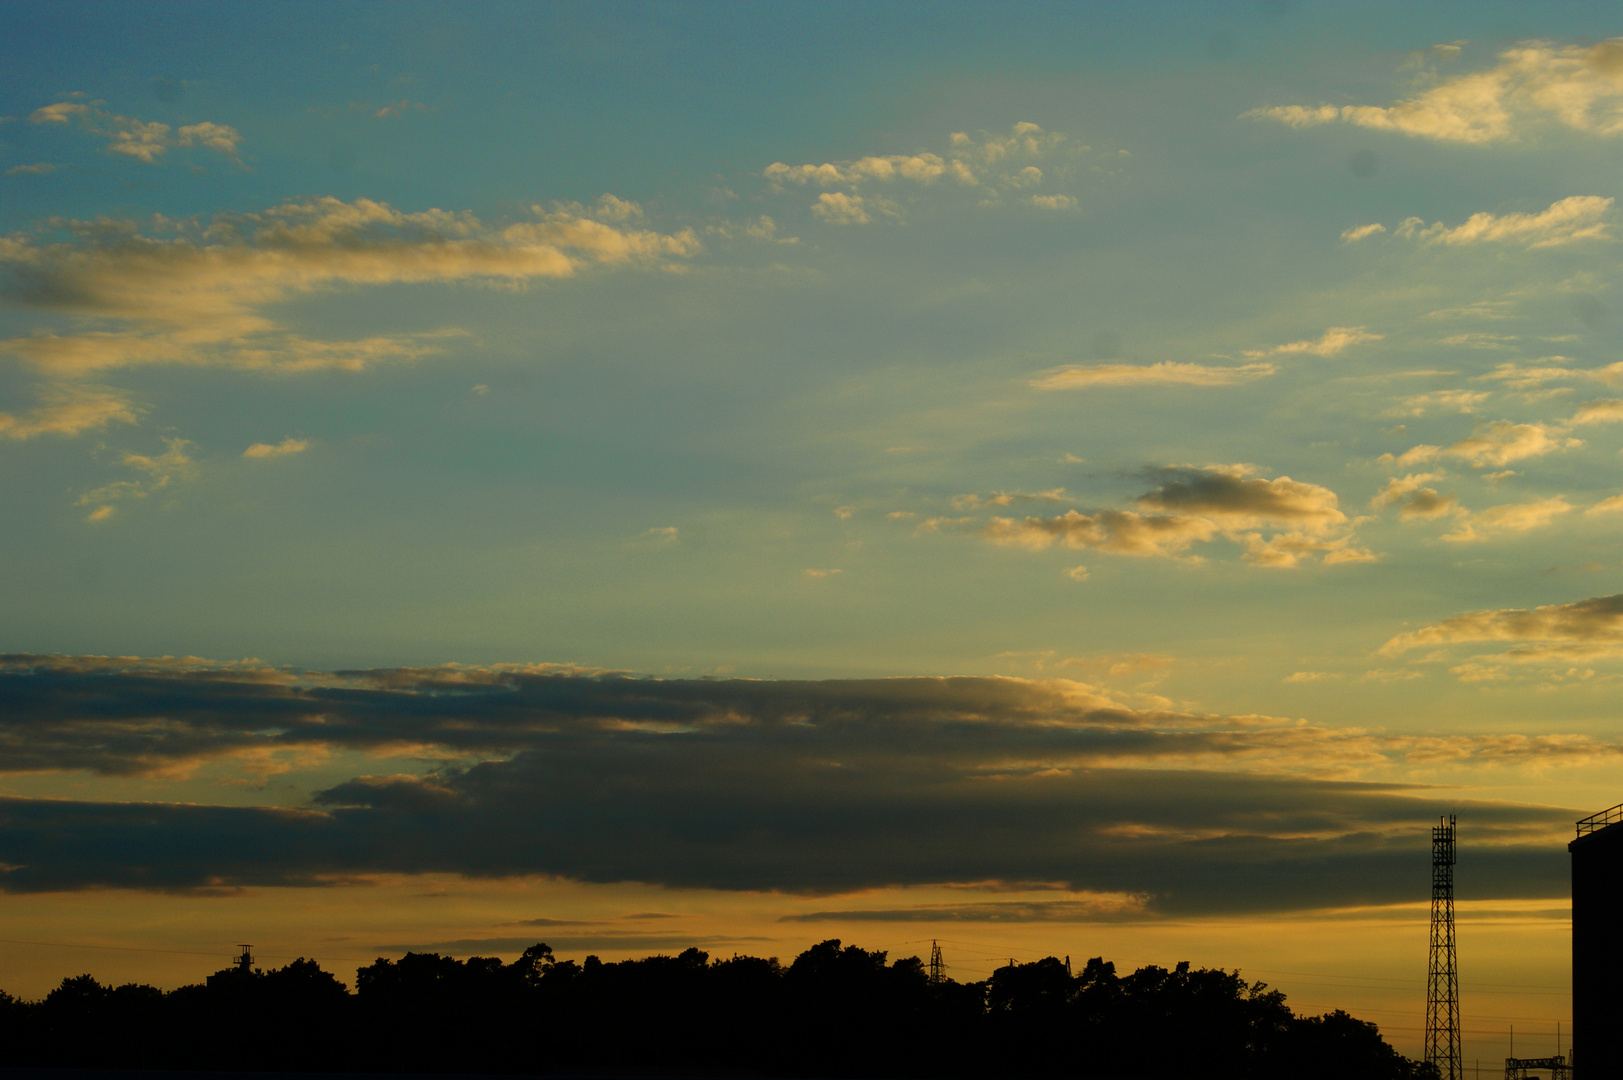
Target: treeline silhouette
834,1012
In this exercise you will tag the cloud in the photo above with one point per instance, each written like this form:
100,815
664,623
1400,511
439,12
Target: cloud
764,228
807,787
1611,505
838,208
1583,623
217,137
988,166
1333,342
1006,498
70,409
1240,501
1090,908
1460,401
1503,442
1420,503
198,292
1159,374
1362,232
1598,412
1121,532
39,168
992,159
1550,369
1498,443
1514,517
172,466
1287,550
143,140
396,108
285,448
1576,86
1481,340
1189,506
1579,217
1482,309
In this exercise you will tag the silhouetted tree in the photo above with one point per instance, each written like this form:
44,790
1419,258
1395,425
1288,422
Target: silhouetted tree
837,1010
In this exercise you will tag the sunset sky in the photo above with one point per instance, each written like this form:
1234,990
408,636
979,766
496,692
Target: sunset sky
1057,479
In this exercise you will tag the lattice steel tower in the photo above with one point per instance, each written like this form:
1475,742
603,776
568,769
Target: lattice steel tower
938,967
1442,982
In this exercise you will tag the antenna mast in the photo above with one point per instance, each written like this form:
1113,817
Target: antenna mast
1442,981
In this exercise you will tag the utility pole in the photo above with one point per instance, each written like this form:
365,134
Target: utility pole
938,967
1442,980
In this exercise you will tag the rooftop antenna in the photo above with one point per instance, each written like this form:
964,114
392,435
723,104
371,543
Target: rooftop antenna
1442,979
245,962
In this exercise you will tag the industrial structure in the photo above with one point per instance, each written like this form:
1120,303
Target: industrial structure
1443,1047
1559,1068
938,967
1597,943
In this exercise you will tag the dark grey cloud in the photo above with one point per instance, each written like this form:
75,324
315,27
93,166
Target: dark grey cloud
1226,493
803,787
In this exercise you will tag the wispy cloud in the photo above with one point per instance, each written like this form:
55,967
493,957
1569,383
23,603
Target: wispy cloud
1498,443
1362,232
1165,373
1612,505
1574,627
1021,166
1580,217
1607,411
1575,86
70,409
1459,401
1006,498
1333,342
140,139
200,294
1420,502
172,466
1121,532
1512,517
1551,369
285,448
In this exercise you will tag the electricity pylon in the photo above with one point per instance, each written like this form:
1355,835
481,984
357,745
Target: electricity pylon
1442,981
938,967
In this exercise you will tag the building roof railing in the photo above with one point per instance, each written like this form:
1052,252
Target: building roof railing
1596,822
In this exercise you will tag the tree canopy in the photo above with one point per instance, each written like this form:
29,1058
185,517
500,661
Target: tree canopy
836,1011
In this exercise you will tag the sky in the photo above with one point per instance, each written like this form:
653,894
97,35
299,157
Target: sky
1074,479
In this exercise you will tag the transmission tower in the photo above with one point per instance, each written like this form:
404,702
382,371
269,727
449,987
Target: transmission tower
938,966
1442,981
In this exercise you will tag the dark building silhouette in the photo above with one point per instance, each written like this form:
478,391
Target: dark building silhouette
1597,946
